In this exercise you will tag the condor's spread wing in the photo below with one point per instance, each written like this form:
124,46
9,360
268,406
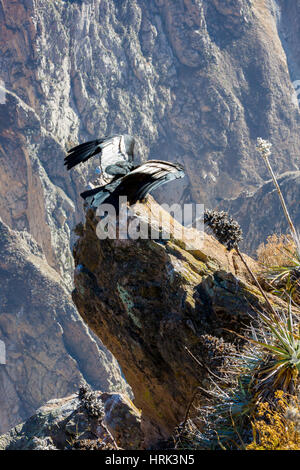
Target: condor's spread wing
147,177
136,184
115,154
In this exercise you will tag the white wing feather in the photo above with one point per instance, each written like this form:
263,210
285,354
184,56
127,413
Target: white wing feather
113,151
157,167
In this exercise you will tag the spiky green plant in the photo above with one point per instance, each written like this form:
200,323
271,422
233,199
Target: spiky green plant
273,361
275,357
269,361
224,423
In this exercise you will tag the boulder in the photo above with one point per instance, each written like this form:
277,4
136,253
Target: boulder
78,423
154,303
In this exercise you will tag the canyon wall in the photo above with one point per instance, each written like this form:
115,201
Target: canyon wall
195,81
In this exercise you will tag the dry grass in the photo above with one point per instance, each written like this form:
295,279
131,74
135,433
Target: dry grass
280,261
277,251
277,429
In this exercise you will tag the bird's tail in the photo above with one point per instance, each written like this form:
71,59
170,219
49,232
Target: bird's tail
82,152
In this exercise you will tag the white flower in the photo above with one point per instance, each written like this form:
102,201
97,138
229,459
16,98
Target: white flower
263,147
292,414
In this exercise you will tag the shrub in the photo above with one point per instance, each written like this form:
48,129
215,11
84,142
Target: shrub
280,259
273,354
279,428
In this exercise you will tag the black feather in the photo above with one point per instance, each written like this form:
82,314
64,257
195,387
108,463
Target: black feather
91,143
82,153
135,185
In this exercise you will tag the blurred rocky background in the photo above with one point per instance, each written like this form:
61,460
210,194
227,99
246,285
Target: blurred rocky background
196,81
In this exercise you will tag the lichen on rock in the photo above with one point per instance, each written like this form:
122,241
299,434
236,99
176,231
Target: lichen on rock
149,300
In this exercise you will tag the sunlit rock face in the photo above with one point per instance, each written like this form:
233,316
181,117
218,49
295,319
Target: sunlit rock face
196,81
48,349
162,297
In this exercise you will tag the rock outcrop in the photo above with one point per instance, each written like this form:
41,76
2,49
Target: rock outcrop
69,424
148,300
49,350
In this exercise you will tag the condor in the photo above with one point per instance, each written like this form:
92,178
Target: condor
119,173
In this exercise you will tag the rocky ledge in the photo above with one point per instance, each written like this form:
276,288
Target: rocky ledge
156,303
87,421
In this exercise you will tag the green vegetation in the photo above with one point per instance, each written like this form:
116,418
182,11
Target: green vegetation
280,262
257,407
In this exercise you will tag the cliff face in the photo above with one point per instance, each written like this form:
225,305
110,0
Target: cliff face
254,211
49,350
196,81
287,14
160,298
